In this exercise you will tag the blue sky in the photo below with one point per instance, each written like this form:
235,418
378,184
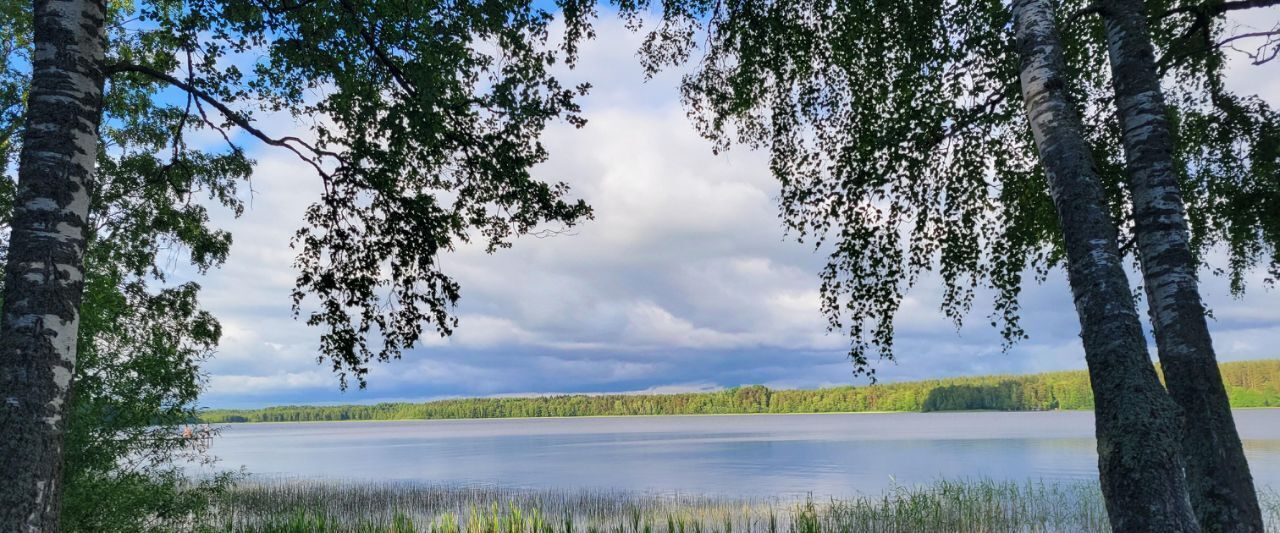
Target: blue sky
685,280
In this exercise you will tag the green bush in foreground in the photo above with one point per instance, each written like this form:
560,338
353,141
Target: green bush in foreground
1249,384
968,506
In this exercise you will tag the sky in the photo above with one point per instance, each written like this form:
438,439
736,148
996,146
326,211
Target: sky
684,281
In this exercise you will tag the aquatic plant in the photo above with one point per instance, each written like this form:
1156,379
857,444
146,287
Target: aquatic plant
982,505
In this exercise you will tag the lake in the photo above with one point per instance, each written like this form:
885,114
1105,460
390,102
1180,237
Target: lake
745,455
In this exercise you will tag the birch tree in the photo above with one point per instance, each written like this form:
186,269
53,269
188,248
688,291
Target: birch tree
1220,483
894,131
44,274
1139,459
141,339
420,120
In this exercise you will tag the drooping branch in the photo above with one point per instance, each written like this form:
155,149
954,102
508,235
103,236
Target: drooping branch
974,114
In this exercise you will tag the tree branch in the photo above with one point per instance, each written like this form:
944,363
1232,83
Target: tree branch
1203,14
970,117
381,55
290,143
1260,55
1095,8
1212,9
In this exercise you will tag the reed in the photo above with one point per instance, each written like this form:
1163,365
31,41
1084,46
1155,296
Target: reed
953,506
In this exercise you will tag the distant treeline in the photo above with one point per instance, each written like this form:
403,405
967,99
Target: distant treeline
1249,384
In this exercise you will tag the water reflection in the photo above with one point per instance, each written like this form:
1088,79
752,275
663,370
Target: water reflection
827,455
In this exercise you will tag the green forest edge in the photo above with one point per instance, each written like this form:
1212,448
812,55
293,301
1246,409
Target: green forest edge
1250,384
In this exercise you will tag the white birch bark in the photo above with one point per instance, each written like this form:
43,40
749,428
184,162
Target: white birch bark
1218,477
1139,460
44,277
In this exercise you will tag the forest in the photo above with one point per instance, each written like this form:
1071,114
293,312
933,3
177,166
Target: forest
1249,384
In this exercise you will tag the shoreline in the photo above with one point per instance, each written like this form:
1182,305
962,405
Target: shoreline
650,416
824,413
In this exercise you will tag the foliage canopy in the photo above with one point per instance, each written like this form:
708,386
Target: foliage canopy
897,132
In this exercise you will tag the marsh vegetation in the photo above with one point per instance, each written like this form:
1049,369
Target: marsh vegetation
957,506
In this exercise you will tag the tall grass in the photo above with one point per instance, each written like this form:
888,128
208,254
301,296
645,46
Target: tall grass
951,506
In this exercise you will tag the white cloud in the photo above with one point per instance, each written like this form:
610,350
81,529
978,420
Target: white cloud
232,384
649,324
485,331
684,281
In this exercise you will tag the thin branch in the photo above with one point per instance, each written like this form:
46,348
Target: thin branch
1272,33
1260,55
178,141
971,116
204,117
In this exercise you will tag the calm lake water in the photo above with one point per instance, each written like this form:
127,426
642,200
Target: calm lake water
757,455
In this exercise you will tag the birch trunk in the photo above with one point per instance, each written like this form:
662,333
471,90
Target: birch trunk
44,277
1218,478
1139,460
